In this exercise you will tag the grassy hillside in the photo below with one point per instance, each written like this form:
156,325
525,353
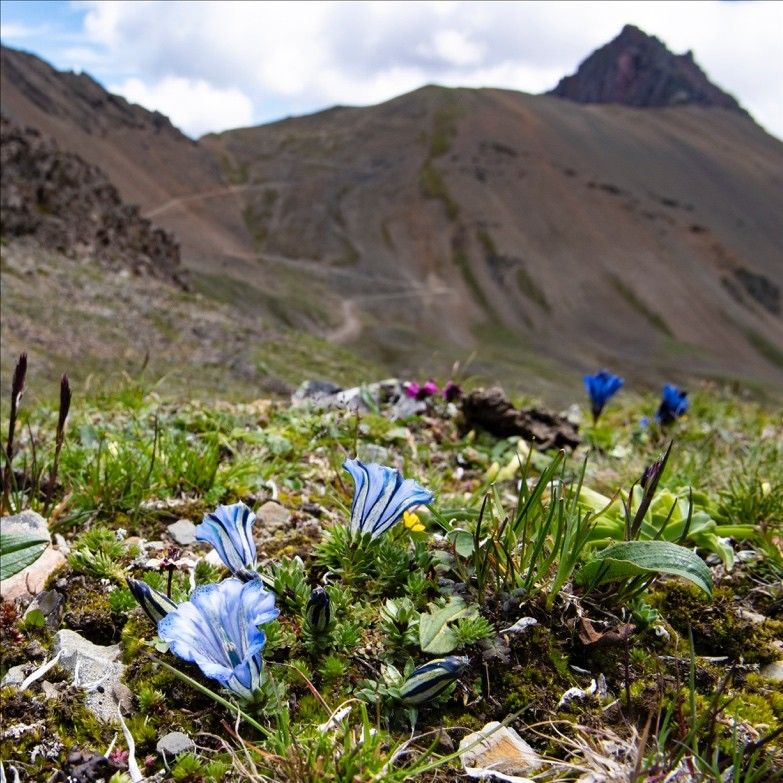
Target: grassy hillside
677,664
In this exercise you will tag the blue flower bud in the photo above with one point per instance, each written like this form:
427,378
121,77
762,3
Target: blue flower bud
155,604
431,679
319,610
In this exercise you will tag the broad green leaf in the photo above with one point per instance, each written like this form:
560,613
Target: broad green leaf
435,634
464,543
19,550
635,558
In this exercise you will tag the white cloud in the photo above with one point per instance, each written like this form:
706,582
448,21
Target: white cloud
15,31
192,105
298,57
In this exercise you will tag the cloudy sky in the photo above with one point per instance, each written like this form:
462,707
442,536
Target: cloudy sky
216,65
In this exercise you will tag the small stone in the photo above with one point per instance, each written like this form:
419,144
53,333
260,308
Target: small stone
50,604
371,452
496,748
31,580
174,743
62,544
183,532
773,671
751,616
99,672
16,675
271,517
314,390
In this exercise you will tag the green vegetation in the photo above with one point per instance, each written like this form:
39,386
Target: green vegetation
765,348
528,286
432,186
514,534
630,296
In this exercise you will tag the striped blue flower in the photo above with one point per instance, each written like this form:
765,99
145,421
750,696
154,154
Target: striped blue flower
217,629
155,604
380,497
601,387
431,679
229,530
674,403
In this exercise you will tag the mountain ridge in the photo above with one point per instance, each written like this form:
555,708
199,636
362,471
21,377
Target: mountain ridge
532,230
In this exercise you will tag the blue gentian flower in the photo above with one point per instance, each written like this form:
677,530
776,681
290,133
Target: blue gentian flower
380,497
229,530
217,629
602,387
674,403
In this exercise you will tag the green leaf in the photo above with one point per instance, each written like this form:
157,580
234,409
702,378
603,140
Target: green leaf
19,550
435,634
464,543
634,558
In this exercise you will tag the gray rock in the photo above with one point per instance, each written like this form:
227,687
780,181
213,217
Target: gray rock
174,743
51,604
773,671
62,544
314,390
358,398
371,452
96,669
25,522
183,532
271,517
16,675
406,407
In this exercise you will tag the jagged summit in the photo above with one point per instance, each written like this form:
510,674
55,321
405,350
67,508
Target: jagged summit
636,69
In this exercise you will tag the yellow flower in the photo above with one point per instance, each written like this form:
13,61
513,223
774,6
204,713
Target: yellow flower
411,520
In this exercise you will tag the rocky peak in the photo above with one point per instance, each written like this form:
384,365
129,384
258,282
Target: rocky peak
636,69
67,205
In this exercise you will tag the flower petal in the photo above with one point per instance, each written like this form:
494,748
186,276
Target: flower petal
381,496
229,530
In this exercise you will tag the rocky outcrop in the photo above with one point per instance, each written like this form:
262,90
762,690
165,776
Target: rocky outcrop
70,206
636,69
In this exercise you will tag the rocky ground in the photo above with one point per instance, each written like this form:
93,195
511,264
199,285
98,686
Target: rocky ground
594,685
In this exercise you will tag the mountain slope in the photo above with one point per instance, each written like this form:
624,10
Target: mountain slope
512,222
146,158
545,235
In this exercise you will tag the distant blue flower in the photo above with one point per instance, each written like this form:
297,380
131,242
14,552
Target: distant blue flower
602,387
217,629
381,496
674,403
229,530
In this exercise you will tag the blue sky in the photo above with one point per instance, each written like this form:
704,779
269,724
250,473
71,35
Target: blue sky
216,65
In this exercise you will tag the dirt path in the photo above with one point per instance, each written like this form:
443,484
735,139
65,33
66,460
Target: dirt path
230,190
350,328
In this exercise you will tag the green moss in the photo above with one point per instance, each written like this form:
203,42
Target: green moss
717,628
630,296
88,611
